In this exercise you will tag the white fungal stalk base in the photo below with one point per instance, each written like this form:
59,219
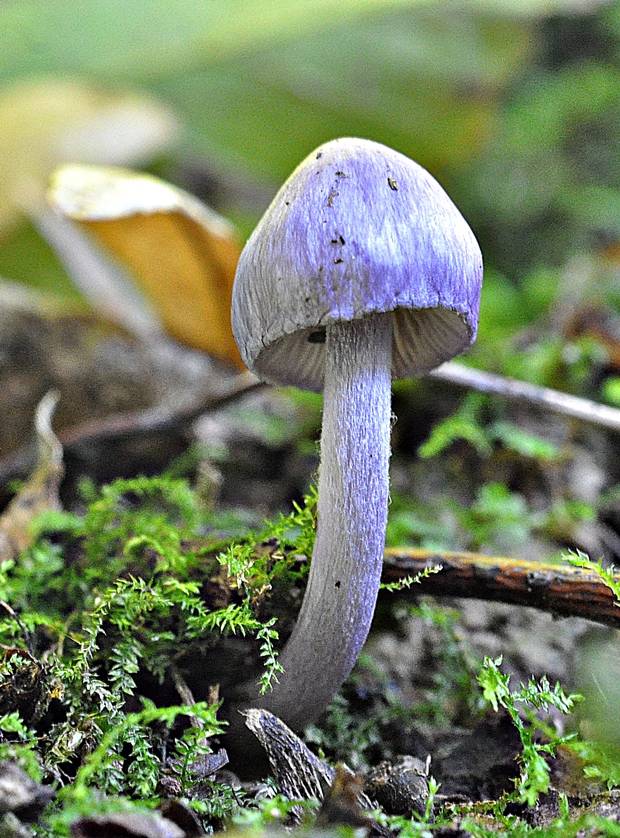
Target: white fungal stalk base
345,573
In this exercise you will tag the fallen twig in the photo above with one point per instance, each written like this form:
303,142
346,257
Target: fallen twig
162,417
136,423
559,588
512,388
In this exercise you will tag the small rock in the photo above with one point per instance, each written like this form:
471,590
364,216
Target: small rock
12,827
399,786
21,795
181,815
126,825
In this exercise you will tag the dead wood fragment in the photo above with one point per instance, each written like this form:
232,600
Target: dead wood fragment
516,390
298,773
558,588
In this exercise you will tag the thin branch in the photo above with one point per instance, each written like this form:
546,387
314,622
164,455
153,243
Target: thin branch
512,388
160,417
185,693
559,588
136,423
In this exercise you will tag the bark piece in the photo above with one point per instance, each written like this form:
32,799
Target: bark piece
556,587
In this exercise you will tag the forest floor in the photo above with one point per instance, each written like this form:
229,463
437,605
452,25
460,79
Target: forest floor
453,722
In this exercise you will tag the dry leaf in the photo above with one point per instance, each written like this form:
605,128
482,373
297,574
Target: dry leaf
181,253
41,490
50,121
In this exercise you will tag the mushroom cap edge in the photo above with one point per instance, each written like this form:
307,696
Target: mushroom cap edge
357,229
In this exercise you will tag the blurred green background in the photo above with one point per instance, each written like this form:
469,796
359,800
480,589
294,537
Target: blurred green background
514,105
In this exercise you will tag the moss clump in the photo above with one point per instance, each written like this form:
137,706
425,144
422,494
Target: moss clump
107,618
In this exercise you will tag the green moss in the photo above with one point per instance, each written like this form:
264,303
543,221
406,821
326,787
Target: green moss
108,613
108,610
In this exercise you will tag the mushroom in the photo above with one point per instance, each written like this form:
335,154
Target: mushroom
361,270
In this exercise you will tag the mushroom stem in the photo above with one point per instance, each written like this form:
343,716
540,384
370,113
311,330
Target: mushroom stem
345,572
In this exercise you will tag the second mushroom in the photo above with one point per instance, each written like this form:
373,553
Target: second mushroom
360,271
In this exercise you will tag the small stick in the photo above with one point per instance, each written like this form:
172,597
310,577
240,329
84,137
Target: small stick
136,423
185,693
161,417
158,418
512,388
558,588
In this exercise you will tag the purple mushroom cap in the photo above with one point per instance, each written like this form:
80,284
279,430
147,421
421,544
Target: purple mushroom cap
357,229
